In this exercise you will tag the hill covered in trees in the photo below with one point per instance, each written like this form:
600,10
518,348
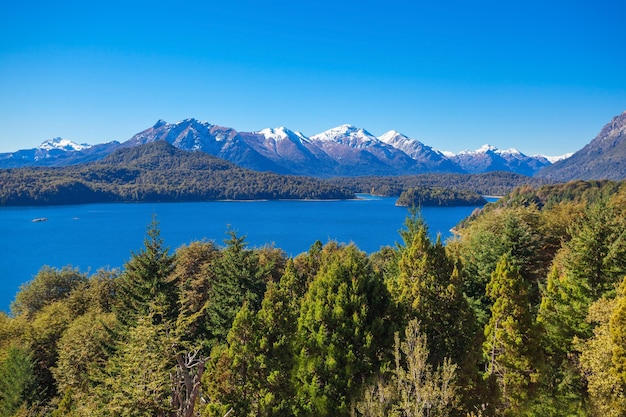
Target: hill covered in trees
491,183
155,172
422,197
523,314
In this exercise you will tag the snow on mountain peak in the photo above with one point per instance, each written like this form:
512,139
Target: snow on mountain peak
391,136
281,133
486,148
554,159
345,131
63,144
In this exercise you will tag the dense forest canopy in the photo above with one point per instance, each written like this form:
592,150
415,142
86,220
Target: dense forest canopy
522,314
422,197
490,183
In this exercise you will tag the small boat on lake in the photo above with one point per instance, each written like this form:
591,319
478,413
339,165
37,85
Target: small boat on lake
40,219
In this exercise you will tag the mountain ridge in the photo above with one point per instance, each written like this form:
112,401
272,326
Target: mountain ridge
345,150
602,158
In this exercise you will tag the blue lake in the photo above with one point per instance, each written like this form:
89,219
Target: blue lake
94,236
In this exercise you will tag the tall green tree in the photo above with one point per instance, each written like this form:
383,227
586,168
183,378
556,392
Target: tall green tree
343,333
239,278
137,379
587,267
18,382
145,280
511,348
193,275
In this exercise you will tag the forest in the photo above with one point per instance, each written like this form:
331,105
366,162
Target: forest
490,183
522,313
440,197
155,172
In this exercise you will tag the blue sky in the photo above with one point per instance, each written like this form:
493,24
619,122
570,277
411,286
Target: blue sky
540,76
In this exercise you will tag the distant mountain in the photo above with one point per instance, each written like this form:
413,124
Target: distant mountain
345,150
155,171
489,158
603,158
355,151
57,152
428,159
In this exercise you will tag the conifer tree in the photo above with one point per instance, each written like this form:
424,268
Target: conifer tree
18,382
137,379
194,275
238,279
343,333
510,347
145,279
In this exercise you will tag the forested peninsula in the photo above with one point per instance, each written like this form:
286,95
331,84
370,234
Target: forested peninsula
423,197
155,172
522,314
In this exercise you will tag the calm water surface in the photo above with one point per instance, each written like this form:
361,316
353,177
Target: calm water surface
94,236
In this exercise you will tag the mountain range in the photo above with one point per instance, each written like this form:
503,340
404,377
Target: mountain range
345,150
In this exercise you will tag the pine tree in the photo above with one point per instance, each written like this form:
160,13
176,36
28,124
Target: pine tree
18,382
238,279
510,346
145,280
343,333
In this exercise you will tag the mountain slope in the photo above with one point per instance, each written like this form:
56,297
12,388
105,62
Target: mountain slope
426,158
603,158
489,158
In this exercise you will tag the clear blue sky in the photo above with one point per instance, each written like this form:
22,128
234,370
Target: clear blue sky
541,76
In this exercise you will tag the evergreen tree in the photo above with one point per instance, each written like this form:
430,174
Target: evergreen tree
194,275
18,383
343,333
145,280
238,279
137,379
586,268
510,347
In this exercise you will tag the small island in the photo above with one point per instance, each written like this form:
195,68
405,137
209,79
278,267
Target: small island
440,197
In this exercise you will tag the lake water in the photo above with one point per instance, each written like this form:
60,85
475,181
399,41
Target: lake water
94,236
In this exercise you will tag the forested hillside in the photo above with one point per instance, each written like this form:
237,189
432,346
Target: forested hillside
491,183
523,314
155,172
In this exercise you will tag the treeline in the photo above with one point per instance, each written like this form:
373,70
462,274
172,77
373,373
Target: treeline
490,183
423,197
155,172
523,314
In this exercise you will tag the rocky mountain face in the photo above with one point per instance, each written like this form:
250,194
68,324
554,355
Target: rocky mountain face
603,158
342,151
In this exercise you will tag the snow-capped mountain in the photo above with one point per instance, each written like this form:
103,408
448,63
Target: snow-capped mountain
431,159
56,151
62,145
344,150
555,159
358,152
488,158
